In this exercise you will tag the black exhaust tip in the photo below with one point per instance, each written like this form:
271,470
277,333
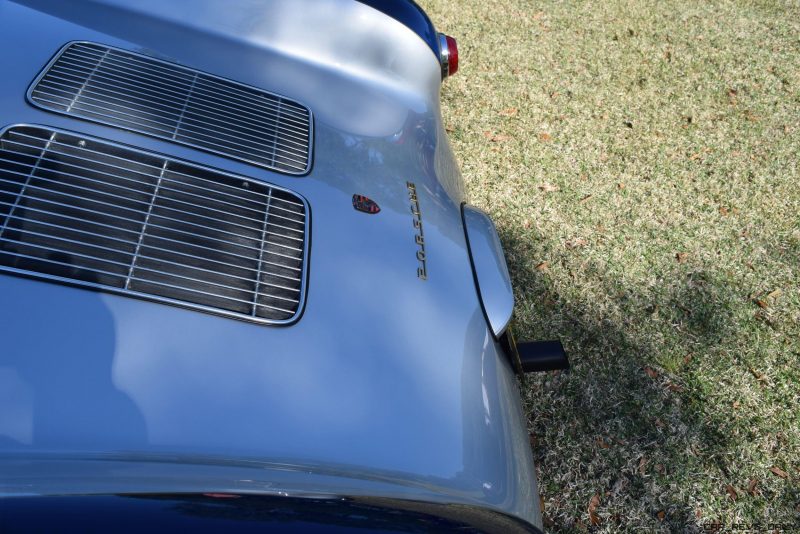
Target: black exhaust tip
537,356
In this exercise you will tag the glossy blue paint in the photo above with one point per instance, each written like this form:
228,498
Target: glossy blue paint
388,384
491,272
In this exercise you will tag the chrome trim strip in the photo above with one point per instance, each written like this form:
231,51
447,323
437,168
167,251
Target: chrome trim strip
444,55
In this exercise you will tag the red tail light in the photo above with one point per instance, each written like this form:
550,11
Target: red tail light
448,55
452,61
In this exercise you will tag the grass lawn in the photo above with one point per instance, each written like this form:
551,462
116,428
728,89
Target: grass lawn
641,162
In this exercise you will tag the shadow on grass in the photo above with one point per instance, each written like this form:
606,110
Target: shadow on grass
630,422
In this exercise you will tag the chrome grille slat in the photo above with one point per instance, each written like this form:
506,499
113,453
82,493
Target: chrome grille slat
116,206
98,259
159,92
146,64
67,228
158,112
192,267
207,282
138,164
208,293
94,234
61,204
185,212
57,262
115,80
65,164
298,115
67,240
178,104
70,174
214,90
69,74
288,125
87,108
171,229
110,274
93,213
170,125
77,197
293,279
54,83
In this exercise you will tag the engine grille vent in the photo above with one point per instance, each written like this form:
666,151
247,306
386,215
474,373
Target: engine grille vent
171,102
88,212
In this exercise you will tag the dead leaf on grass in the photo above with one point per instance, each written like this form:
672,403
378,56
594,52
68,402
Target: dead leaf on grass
495,138
731,491
602,444
544,136
778,472
652,373
774,294
642,465
758,375
594,519
675,388
509,112
751,487
548,188
576,243
681,256
538,15
661,515
542,266
584,199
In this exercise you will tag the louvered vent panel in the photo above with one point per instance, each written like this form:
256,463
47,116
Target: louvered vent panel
174,103
93,213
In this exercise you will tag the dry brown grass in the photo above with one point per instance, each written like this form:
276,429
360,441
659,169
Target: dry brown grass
641,162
